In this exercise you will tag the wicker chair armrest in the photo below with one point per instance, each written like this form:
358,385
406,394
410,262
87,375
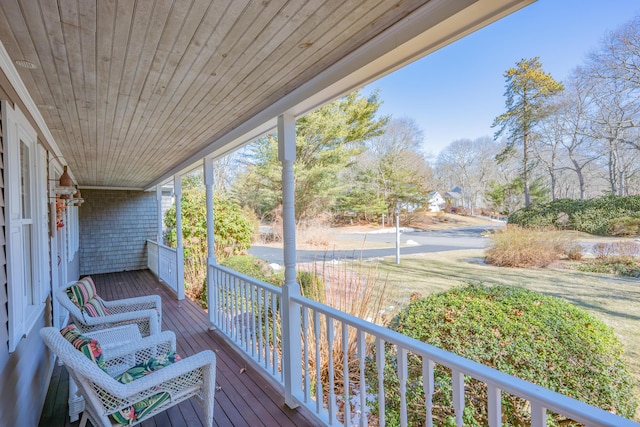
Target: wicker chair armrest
154,301
116,336
64,300
164,340
131,316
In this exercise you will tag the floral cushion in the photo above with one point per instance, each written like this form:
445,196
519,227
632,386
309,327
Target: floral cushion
146,406
95,308
83,291
87,346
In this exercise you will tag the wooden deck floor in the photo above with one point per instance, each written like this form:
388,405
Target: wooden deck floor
243,397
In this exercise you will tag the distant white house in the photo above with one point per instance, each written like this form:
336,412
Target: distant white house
435,202
454,197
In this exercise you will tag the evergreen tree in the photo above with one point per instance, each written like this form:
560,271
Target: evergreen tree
528,91
327,140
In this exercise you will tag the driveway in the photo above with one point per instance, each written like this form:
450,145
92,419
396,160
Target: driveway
411,242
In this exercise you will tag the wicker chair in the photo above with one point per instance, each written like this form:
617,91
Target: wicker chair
89,312
106,397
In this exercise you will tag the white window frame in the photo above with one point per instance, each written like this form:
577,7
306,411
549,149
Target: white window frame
24,313
73,238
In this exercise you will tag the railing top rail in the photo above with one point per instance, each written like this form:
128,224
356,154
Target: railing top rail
161,245
264,285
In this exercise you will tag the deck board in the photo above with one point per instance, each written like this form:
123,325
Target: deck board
243,396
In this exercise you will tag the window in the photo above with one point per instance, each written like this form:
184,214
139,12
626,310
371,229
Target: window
26,220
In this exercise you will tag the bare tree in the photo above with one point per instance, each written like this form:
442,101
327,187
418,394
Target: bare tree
612,116
469,164
401,172
615,66
565,133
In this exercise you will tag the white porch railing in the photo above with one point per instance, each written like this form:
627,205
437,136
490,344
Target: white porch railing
162,261
248,312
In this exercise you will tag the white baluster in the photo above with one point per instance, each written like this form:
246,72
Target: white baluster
235,303
267,353
428,383
380,362
274,335
317,332
345,374
260,332
402,378
227,329
332,382
252,323
305,349
457,382
538,415
363,384
494,405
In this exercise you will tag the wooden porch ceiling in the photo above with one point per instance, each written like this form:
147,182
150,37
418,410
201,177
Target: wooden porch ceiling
132,91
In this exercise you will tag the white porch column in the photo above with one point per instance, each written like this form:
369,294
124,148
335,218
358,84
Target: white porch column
212,300
159,206
177,189
291,340
159,239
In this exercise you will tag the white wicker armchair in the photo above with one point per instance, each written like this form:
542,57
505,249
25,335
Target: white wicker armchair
89,312
193,376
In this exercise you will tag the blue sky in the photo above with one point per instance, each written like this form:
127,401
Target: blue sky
457,91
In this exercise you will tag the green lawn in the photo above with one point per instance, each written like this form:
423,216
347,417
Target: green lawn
615,300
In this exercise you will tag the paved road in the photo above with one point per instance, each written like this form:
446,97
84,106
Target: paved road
411,242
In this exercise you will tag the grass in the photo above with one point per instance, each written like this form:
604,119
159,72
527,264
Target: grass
613,299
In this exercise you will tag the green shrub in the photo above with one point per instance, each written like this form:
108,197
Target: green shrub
624,226
620,266
607,215
619,258
254,267
233,229
311,285
539,338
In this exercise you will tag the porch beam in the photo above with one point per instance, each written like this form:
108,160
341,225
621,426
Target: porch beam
291,342
177,189
211,256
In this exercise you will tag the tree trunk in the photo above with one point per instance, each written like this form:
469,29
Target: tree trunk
525,165
612,168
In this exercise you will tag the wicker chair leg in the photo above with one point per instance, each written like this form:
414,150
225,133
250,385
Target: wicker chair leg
83,420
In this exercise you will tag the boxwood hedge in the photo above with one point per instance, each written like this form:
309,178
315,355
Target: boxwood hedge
607,215
539,338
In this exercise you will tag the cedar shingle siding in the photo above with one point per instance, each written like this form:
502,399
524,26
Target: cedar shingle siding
114,228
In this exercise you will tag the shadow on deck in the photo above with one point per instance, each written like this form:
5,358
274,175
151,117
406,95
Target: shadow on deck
243,396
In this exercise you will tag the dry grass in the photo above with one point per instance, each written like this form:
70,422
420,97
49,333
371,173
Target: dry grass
358,291
195,273
521,247
624,249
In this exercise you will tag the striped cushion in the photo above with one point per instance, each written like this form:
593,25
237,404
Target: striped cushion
146,406
87,346
82,291
95,308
